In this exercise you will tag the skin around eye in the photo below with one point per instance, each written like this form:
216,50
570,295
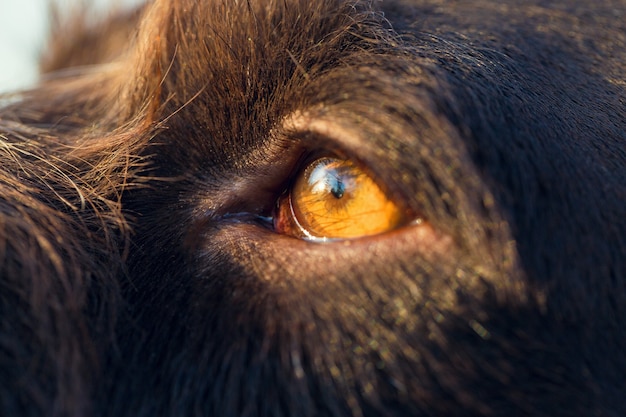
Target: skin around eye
332,198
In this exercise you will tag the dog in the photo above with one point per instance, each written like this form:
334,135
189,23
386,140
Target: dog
319,208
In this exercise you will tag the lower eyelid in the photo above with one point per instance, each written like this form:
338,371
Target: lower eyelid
418,238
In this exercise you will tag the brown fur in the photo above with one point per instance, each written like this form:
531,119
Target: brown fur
138,278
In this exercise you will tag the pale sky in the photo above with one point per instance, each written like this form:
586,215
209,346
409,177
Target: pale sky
23,27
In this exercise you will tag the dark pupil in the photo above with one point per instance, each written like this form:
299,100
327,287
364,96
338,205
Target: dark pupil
327,176
337,188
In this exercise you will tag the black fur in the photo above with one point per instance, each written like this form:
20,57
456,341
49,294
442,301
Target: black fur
138,276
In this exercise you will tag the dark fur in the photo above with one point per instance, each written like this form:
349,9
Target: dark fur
135,279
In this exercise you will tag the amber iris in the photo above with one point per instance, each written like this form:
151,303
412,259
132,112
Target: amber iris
335,199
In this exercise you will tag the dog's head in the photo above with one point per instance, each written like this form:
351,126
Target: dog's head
320,208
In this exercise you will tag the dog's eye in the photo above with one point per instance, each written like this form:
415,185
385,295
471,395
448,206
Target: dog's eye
333,198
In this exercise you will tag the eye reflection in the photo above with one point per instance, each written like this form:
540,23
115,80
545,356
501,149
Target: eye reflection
333,198
328,176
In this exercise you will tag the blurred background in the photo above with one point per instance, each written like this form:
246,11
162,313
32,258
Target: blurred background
23,28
